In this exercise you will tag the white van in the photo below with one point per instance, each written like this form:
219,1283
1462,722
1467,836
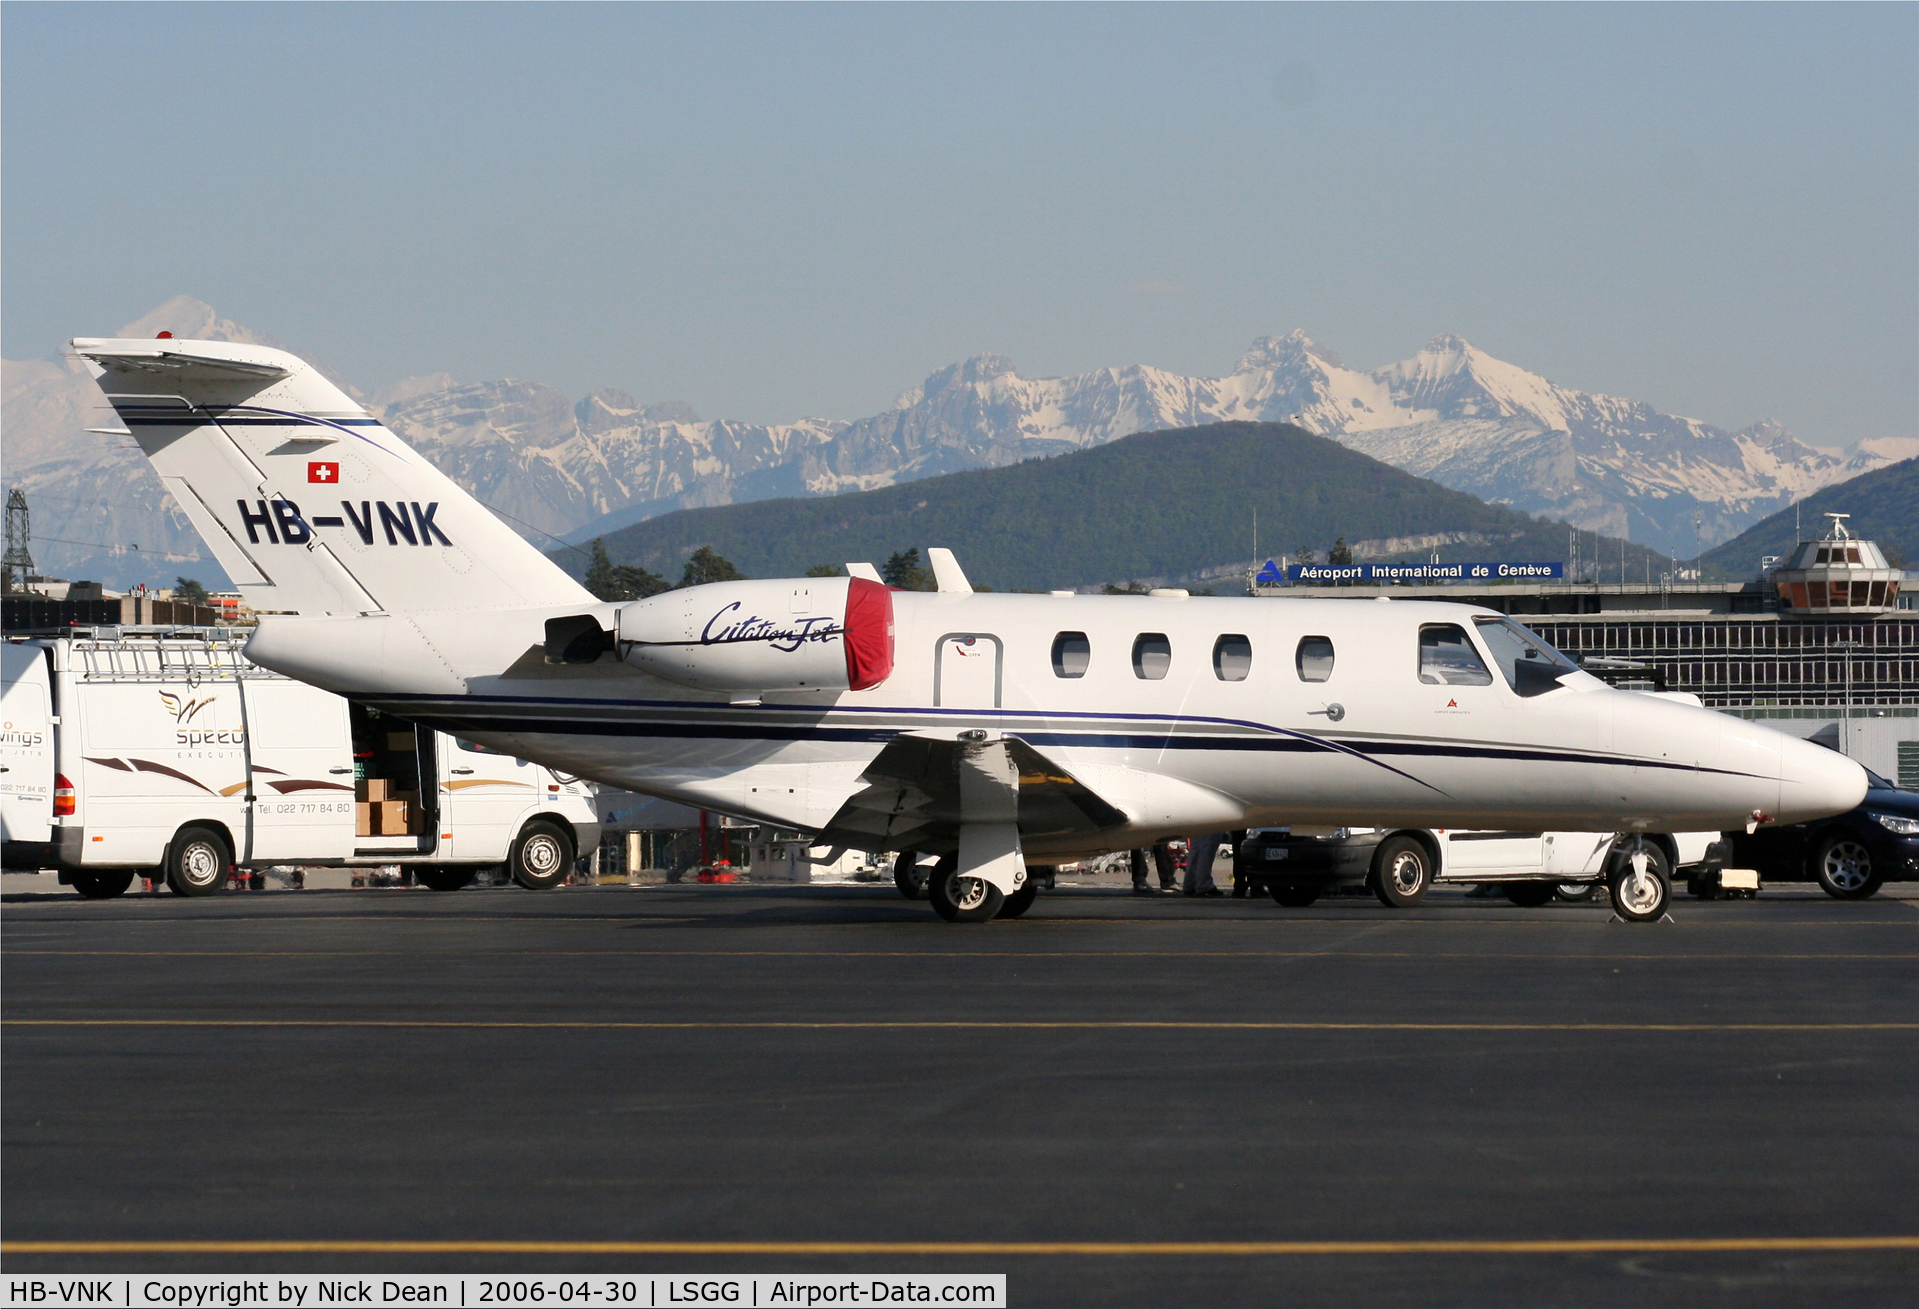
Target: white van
166,753
1296,865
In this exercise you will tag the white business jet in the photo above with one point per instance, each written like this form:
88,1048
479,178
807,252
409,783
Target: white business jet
984,729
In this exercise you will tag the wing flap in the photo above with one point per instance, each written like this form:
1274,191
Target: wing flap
920,788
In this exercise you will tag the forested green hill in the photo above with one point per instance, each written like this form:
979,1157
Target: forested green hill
1884,505
1158,506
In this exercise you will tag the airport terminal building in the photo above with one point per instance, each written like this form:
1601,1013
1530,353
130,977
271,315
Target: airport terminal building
1828,637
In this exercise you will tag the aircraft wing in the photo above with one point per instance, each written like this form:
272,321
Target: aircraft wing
920,788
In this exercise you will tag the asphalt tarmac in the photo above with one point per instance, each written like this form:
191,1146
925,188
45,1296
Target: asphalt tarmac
1122,1101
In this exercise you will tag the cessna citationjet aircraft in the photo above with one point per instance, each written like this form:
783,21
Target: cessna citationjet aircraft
983,728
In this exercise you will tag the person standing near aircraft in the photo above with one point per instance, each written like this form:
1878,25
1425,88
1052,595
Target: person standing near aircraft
1163,863
1200,853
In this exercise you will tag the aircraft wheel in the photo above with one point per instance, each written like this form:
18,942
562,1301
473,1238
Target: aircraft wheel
103,885
198,862
1293,896
1640,897
1529,895
961,899
1844,869
1575,892
1021,900
443,879
541,856
1402,870
908,876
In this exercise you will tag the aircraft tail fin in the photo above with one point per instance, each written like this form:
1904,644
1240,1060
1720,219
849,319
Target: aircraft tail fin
310,504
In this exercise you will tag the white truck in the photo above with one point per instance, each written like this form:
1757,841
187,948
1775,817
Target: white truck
165,753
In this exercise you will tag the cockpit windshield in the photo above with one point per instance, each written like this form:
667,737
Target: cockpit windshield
1531,666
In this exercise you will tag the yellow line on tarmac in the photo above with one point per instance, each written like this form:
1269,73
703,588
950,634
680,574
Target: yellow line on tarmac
917,1025
1598,1245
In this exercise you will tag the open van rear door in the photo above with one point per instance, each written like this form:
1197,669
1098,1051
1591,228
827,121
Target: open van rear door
300,760
26,745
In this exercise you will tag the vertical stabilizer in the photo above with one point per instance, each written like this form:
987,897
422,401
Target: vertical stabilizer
310,505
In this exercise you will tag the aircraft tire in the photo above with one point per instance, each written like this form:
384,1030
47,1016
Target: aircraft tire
103,885
198,862
541,857
1637,899
1021,900
1844,869
1293,896
435,878
1529,895
961,899
908,876
1402,871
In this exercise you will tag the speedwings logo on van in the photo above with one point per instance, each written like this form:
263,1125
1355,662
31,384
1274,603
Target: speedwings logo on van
403,521
185,710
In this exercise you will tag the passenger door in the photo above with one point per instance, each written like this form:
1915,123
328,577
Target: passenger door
26,751
966,671
483,797
300,757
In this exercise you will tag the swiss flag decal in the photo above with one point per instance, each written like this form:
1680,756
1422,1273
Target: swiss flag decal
326,473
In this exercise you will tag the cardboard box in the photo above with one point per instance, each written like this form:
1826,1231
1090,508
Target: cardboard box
372,788
363,819
390,818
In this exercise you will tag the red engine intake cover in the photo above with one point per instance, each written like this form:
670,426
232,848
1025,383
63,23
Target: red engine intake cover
869,634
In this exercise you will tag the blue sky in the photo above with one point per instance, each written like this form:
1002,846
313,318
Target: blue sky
796,210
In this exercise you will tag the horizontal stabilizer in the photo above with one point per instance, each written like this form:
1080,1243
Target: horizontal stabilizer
175,363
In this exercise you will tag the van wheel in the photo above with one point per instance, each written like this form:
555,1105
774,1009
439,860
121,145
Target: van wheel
908,876
443,879
541,857
1844,869
1295,896
1401,873
198,862
103,886
1529,895
1575,892
961,899
1021,900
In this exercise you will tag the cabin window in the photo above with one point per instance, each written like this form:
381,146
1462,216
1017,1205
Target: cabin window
1152,656
1071,653
1314,658
1232,658
1447,657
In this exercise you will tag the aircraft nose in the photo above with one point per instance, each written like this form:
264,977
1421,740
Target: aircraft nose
1815,782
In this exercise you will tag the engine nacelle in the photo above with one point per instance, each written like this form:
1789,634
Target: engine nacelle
805,634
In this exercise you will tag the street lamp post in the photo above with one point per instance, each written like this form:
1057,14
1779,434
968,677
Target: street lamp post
1845,723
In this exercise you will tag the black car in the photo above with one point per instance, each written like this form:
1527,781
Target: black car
1851,854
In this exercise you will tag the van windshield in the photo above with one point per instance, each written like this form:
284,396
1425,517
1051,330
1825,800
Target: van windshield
1531,666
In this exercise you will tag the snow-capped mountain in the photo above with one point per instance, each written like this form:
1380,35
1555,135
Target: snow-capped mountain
1452,413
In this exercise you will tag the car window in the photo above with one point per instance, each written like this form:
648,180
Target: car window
1447,657
1314,658
1232,658
1072,652
1530,665
1152,656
